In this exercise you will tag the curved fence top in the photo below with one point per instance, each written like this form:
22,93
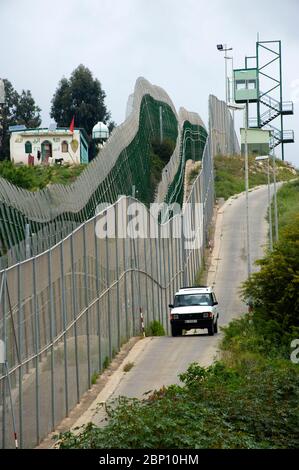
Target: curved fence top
70,204
47,203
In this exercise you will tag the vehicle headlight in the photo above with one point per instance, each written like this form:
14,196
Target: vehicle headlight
175,317
207,314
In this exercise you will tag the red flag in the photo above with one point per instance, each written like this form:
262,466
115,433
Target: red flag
72,125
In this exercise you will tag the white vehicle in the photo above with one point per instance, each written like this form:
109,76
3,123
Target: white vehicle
194,308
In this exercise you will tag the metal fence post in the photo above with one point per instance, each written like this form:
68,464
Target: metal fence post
98,294
20,340
74,309
51,335
125,286
152,277
132,285
146,279
2,300
64,320
36,336
108,293
165,288
183,251
170,273
117,277
160,275
86,304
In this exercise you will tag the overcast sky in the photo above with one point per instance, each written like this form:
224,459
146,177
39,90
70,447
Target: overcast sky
172,43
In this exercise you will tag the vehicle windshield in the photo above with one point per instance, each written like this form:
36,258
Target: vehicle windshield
185,300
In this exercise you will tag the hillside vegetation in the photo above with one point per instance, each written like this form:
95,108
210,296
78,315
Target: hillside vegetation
230,174
287,205
39,176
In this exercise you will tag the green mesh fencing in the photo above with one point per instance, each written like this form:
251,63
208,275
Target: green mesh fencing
192,147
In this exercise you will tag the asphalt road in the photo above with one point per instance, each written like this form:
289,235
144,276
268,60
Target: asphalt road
158,361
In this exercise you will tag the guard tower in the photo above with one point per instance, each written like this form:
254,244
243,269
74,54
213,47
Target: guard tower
261,84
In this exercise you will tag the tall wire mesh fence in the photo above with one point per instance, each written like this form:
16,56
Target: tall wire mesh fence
65,312
50,214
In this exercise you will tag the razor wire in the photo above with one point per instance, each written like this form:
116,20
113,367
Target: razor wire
65,312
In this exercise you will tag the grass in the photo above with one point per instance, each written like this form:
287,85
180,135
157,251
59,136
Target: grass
106,362
287,205
155,328
230,173
94,377
38,177
194,173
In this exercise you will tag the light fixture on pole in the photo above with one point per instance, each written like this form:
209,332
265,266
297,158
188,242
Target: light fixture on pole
224,48
258,159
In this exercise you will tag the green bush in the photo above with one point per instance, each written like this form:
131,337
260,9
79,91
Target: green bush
155,329
274,288
106,362
159,157
164,149
218,407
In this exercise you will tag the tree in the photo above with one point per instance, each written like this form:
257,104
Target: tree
274,288
81,96
27,112
111,126
17,109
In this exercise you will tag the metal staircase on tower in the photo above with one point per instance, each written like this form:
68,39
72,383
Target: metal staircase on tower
265,73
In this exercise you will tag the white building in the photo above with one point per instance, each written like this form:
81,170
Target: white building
46,146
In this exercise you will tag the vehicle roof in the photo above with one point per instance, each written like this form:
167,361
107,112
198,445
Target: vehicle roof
195,290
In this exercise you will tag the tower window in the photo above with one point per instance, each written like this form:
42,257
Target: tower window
241,84
251,84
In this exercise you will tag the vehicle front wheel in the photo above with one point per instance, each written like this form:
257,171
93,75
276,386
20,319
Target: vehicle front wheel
211,329
175,331
216,327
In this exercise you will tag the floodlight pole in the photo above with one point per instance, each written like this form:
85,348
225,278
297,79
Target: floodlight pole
247,189
269,205
275,197
245,108
269,199
225,48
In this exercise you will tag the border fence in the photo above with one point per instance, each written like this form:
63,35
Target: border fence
65,312
48,215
